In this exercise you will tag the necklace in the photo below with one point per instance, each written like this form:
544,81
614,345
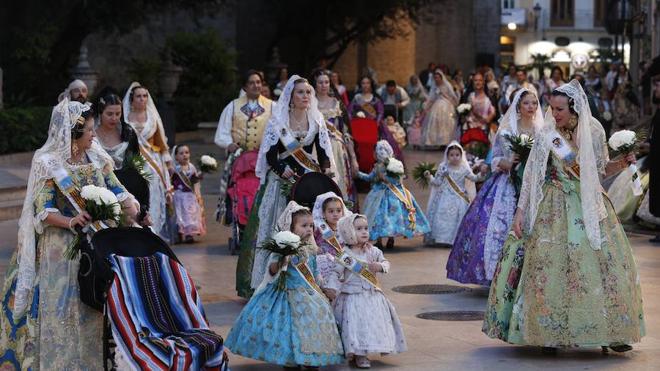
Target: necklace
297,125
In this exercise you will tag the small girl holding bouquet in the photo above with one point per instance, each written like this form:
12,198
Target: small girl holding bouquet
288,321
354,295
391,209
188,201
452,190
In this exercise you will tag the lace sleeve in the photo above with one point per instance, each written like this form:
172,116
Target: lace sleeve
600,146
500,150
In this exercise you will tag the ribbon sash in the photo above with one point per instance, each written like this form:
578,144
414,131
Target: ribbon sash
349,262
63,180
184,178
306,273
406,198
456,188
295,150
562,149
145,153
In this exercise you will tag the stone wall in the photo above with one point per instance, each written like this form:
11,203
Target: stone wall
110,54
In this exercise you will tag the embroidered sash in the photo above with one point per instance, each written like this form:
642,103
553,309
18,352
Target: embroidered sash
147,156
306,273
456,188
349,262
406,198
563,150
64,182
295,150
184,178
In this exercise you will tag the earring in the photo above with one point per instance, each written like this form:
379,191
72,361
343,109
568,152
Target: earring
572,122
518,115
74,149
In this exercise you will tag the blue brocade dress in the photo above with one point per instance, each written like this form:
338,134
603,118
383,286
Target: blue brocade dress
386,214
288,327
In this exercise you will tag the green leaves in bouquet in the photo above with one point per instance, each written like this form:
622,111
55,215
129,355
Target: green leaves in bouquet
521,145
418,173
137,162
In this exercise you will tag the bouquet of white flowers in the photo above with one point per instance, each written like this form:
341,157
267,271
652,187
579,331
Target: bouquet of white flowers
208,164
464,109
360,115
285,244
625,142
394,168
102,205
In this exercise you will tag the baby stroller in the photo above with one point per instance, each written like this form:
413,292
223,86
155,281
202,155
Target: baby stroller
365,135
151,307
241,192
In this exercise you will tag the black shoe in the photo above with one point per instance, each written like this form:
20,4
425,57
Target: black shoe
390,243
620,348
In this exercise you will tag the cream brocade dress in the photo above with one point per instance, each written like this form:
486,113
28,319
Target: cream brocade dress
57,331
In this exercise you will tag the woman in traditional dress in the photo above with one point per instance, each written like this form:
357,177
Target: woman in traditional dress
368,104
43,323
476,137
439,126
336,120
418,96
295,132
579,284
487,222
120,141
141,114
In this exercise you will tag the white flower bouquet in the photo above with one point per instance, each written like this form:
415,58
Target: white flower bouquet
394,168
625,142
607,116
102,205
208,164
360,115
464,109
286,244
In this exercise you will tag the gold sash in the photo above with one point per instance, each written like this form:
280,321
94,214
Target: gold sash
456,189
351,263
154,166
406,198
304,271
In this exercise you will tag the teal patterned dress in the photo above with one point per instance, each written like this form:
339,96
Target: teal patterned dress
288,327
57,331
552,289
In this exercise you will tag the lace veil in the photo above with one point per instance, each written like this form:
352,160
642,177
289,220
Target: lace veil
509,121
592,158
279,123
51,156
346,229
154,122
317,212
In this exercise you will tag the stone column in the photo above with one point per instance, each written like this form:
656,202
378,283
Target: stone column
84,71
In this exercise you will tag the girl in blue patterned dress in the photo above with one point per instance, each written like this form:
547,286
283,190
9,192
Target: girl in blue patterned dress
390,208
294,326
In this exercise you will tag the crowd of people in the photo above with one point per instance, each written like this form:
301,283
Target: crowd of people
518,196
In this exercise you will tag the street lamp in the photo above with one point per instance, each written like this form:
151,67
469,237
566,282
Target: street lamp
537,14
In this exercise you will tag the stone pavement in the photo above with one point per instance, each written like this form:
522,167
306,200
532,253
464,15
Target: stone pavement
433,345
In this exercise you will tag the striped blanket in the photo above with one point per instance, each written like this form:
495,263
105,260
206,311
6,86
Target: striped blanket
157,317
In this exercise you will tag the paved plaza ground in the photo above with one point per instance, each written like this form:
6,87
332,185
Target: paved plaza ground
433,345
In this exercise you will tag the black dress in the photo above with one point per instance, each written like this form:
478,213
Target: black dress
279,165
130,177
654,165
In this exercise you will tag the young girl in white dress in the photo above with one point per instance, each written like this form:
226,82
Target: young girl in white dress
452,190
367,320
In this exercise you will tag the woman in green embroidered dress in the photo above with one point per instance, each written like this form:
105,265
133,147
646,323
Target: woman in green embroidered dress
571,280
43,323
